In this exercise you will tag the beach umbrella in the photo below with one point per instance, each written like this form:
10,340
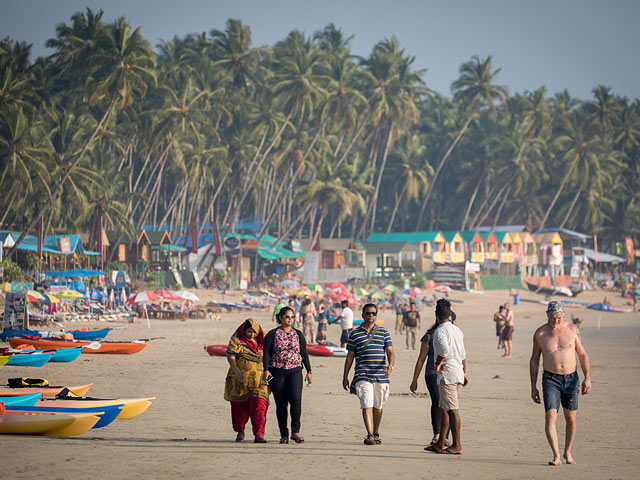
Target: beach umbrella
413,291
338,285
303,292
185,295
314,287
123,296
34,297
390,288
379,295
143,297
95,294
166,294
49,298
112,297
69,294
362,291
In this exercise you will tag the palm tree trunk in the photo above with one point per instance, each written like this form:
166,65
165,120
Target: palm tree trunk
553,202
504,199
471,200
385,155
443,160
573,204
495,200
395,208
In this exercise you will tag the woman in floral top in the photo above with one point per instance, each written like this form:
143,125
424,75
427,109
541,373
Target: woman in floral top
285,352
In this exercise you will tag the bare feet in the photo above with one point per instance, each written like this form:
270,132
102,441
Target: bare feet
569,459
556,461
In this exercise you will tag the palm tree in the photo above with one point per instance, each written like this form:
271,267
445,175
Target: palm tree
474,88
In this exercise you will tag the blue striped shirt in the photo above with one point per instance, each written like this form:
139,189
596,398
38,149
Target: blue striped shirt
372,361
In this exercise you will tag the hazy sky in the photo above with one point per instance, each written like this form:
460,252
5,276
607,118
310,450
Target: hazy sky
572,44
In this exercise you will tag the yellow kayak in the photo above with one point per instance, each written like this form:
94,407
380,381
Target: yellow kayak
48,424
4,359
132,406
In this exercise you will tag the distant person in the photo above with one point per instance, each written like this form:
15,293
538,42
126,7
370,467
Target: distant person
346,322
507,331
412,325
244,387
323,322
451,365
308,317
399,317
499,319
558,342
368,345
285,353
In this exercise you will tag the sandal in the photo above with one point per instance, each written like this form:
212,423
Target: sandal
376,438
284,440
369,440
240,437
297,438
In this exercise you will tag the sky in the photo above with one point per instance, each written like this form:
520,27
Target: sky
561,44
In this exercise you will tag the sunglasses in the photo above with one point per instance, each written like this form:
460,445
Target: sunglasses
370,313
289,316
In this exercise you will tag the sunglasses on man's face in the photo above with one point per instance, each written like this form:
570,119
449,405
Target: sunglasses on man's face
370,313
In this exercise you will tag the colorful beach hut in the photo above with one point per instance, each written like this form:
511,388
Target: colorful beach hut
550,251
454,246
473,245
490,246
505,247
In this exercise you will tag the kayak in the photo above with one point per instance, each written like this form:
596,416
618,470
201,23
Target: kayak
216,350
130,347
326,350
29,359
22,400
77,334
60,355
107,414
131,407
4,359
604,307
49,424
79,390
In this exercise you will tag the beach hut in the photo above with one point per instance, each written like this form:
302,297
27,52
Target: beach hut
505,247
454,246
439,248
550,249
490,243
474,246
517,246
384,256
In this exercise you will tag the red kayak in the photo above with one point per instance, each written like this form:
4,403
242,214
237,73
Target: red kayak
216,350
319,350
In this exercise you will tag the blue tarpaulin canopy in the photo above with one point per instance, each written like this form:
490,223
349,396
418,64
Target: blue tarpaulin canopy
74,273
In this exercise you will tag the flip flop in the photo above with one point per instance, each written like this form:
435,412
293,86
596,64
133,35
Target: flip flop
432,448
446,451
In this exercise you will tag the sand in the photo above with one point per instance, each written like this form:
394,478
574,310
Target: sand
187,431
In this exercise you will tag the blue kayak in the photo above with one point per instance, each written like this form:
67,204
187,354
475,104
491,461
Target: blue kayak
29,359
603,307
22,400
107,414
77,334
63,354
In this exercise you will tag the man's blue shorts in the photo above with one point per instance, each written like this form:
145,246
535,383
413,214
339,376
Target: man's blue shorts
557,389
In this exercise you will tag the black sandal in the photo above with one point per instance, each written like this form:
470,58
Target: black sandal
297,438
284,440
376,438
369,440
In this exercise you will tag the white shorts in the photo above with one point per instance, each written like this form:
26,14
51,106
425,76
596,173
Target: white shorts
372,395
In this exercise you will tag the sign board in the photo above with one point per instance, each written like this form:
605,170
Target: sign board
243,284
311,267
295,246
16,314
249,243
64,244
473,267
21,287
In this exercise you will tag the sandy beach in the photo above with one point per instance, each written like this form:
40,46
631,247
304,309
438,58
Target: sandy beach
187,431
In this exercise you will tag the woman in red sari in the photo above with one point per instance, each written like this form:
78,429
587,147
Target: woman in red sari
244,386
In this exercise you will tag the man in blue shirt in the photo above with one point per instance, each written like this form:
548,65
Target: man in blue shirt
368,345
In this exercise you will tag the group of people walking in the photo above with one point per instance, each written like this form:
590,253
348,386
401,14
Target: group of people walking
273,363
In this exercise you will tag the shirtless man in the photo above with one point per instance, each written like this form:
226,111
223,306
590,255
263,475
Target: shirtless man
507,332
558,342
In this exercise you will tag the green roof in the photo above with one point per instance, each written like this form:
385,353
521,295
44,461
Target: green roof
378,248
449,234
468,235
267,249
407,237
485,235
500,236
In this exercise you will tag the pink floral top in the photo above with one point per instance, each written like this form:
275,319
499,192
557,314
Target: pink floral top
286,350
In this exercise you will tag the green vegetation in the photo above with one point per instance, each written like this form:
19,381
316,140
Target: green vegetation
301,134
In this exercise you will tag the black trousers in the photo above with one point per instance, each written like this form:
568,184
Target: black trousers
286,386
434,393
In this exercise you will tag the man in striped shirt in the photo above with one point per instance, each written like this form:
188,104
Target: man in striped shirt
368,345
